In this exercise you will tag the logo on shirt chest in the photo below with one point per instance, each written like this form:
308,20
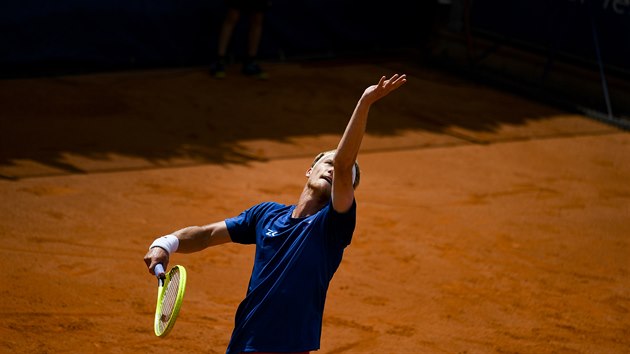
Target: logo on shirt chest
271,233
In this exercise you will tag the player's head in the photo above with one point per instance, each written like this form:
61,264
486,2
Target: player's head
328,156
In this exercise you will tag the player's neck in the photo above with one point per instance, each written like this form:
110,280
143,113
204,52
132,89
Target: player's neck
310,203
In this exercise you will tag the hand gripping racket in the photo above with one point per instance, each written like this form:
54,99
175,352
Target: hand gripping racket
171,287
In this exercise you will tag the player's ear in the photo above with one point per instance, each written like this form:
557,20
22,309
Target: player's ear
308,172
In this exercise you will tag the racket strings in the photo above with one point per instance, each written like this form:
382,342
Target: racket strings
169,300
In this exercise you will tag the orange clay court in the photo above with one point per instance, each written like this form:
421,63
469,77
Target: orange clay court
487,222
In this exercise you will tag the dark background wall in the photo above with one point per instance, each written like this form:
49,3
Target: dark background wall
168,32
138,33
560,27
41,37
573,53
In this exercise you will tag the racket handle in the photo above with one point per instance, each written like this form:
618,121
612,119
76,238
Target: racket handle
159,271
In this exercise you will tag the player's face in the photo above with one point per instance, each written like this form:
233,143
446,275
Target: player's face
320,176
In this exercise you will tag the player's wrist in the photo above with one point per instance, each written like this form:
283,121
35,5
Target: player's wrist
169,243
366,101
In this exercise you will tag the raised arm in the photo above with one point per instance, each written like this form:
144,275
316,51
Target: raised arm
188,240
348,148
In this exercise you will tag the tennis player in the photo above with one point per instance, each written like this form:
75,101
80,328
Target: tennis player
298,247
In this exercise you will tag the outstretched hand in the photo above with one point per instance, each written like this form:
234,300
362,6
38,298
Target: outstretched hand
383,88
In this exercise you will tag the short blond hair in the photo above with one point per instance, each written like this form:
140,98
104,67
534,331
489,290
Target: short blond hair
357,177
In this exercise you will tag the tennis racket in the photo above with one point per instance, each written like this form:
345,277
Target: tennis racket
171,287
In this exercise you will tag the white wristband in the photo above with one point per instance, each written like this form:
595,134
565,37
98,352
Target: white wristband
169,243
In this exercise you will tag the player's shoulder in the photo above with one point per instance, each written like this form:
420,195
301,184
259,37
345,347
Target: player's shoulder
267,207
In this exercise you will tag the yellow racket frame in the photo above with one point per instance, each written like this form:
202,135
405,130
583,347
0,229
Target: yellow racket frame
162,286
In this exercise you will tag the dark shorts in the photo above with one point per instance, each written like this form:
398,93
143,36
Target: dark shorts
249,5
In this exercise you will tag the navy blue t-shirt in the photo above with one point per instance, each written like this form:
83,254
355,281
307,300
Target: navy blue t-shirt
294,263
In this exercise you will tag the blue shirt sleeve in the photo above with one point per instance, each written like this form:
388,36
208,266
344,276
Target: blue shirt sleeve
242,228
340,226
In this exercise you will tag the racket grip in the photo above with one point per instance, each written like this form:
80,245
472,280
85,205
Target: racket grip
159,271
